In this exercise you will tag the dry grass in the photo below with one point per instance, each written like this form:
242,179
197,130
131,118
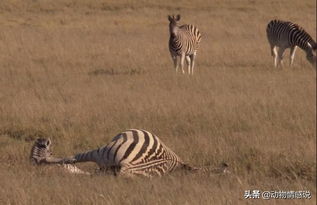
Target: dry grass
82,71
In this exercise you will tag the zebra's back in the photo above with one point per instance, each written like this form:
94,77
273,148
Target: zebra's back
288,34
192,31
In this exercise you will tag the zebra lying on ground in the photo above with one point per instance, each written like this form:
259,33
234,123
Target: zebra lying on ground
41,150
285,35
184,41
130,153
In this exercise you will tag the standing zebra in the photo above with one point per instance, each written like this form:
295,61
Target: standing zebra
285,35
130,153
184,41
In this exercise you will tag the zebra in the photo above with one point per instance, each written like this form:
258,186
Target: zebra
41,149
284,34
184,42
134,152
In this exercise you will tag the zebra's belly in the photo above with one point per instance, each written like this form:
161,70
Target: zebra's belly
151,168
180,52
282,44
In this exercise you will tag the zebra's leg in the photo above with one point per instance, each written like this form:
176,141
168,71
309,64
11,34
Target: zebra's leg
272,49
280,56
292,55
182,62
193,56
175,63
188,63
275,56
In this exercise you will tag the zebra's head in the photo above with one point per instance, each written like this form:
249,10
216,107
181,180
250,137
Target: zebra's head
40,150
311,54
173,23
315,47
312,59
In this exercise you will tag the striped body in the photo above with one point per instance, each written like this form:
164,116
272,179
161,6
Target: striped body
186,41
130,153
134,152
183,43
283,35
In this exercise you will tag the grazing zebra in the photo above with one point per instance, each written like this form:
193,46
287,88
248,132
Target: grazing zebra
41,149
131,153
285,35
184,41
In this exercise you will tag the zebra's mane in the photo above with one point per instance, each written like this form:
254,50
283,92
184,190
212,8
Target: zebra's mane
303,31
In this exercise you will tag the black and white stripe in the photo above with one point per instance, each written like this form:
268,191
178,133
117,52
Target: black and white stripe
285,35
40,150
41,153
130,153
184,42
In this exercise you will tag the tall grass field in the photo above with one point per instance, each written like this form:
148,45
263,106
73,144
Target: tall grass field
81,71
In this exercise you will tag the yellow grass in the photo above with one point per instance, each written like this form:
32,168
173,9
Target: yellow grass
82,71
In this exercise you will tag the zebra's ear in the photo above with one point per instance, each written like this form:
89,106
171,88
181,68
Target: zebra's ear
178,17
170,18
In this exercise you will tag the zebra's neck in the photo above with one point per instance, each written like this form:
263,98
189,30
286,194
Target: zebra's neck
307,47
304,41
90,156
174,31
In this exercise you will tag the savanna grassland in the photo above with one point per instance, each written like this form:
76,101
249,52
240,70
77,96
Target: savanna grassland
79,72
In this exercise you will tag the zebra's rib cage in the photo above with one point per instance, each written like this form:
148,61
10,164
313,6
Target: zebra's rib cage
186,40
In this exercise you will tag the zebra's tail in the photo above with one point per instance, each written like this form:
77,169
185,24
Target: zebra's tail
189,167
222,169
